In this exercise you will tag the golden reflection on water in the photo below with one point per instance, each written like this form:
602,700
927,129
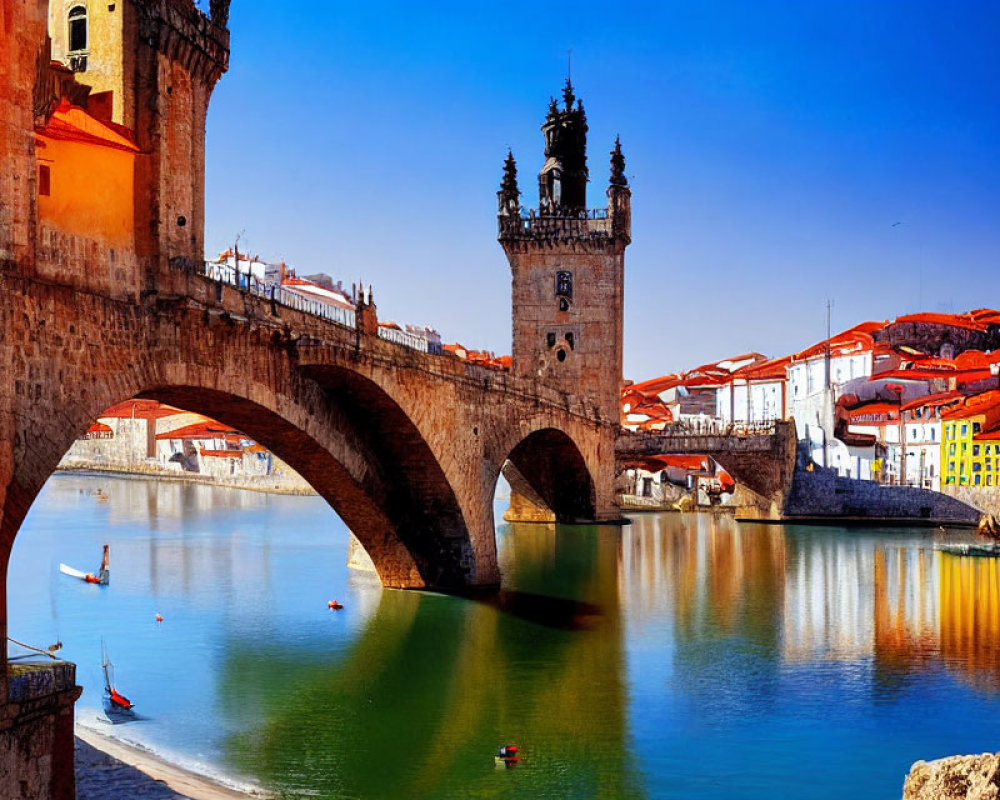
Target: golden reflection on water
817,593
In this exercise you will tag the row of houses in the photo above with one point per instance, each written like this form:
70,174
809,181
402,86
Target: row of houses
321,295
912,401
147,436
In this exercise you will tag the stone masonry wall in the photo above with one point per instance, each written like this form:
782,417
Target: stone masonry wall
822,493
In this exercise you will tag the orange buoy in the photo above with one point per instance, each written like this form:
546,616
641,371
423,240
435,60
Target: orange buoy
159,617
334,605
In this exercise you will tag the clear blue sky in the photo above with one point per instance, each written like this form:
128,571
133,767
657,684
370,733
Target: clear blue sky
771,146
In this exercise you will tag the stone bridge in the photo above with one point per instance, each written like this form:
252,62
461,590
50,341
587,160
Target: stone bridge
104,297
761,459
406,446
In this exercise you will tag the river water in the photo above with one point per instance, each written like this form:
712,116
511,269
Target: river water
682,656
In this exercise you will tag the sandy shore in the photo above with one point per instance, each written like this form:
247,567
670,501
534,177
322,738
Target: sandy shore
107,769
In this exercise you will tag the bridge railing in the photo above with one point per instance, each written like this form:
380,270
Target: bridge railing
713,427
246,282
403,338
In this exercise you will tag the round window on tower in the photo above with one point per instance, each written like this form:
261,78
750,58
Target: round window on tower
561,354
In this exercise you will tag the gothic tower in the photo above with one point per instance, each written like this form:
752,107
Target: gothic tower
568,265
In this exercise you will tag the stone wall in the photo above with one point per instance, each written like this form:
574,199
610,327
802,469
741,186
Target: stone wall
36,732
985,498
822,493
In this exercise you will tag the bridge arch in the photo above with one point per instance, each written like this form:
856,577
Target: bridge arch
348,439
547,468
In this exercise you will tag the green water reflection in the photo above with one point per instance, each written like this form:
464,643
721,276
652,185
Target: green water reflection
435,684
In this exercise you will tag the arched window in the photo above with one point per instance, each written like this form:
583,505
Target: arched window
77,28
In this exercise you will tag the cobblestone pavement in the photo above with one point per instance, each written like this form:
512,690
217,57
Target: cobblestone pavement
101,777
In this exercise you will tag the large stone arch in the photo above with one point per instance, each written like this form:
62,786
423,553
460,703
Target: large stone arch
347,437
548,471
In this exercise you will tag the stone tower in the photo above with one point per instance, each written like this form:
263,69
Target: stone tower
151,66
567,265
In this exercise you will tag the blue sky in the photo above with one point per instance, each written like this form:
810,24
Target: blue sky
772,147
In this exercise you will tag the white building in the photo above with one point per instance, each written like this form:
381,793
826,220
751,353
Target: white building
814,377
754,393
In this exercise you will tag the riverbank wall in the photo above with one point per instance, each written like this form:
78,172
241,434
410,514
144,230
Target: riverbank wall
821,494
985,498
276,483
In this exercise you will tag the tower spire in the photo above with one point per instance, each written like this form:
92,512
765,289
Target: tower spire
618,165
508,198
568,96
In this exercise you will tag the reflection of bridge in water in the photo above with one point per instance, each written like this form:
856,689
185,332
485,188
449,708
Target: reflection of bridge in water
420,702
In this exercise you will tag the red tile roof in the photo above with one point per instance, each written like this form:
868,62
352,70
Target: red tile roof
934,400
209,429
977,320
707,375
987,403
140,409
854,340
771,370
73,124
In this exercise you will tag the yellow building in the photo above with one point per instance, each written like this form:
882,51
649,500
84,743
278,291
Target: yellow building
970,447
88,37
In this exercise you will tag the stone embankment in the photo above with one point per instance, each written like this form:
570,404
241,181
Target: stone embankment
821,494
955,778
277,483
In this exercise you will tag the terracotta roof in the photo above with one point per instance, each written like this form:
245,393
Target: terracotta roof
854,340
140,409
99,427
73,124
209,429
934,400
222,453
771,370
987,403
707,375
978,320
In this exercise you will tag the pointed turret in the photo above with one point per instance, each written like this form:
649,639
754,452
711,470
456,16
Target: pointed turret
509,198
618,165
619,196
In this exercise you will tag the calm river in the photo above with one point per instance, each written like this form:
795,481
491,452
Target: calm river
684,656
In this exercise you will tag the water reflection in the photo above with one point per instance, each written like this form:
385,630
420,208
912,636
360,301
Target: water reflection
809,594
435,684
625,662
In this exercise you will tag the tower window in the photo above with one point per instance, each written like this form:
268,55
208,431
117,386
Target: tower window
561,355
564,283
44,180
550,338
77,28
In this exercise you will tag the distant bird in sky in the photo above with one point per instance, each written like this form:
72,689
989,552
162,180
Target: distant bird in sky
896,223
